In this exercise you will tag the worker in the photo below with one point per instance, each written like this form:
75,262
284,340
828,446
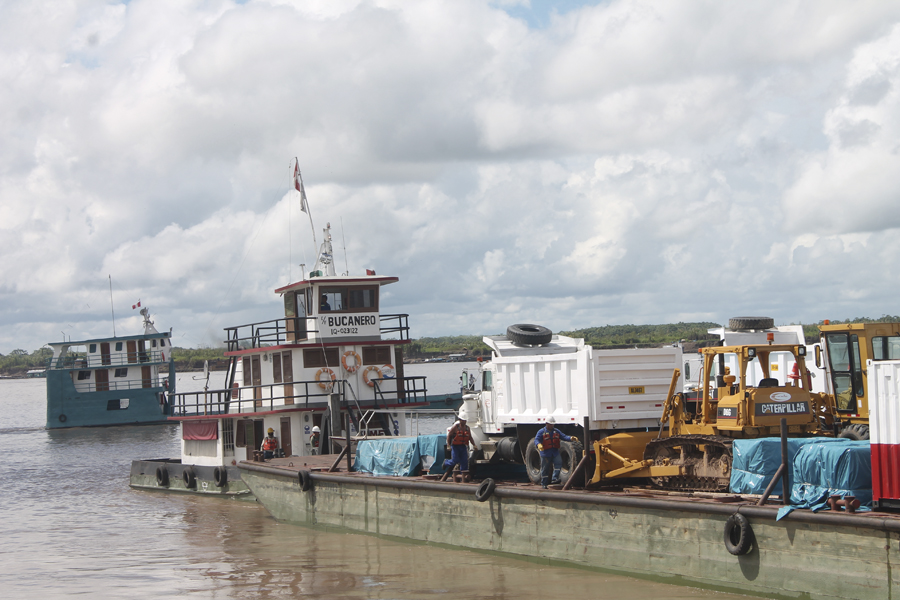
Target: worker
459,436
269,444
323,306
314,440
547,442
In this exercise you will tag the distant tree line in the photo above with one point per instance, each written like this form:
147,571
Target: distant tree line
694,335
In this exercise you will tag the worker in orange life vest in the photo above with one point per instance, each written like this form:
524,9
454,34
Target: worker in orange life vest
269,444
547,442
459,436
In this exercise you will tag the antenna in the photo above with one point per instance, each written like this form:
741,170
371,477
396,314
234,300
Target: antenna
111,307
344,241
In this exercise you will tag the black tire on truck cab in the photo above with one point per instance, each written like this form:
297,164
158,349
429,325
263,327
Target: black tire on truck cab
743,323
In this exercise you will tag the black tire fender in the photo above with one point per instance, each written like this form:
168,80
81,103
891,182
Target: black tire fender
305,479
189,478
62,418
526,334
738,535
162,476
220,475
485,490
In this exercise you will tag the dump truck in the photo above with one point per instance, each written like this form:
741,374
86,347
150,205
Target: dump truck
534,374
845,348
692,448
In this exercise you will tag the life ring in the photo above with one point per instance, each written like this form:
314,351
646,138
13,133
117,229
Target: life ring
188,478
738,535
485,490
162,476
220,475
305,480
357,361
388,371
326,385
368,370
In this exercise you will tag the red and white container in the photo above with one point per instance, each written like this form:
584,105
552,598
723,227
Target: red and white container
884,431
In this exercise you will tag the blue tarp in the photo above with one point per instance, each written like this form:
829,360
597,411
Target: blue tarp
755,462
820,471
401,456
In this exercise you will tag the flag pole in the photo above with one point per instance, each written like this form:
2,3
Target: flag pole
304,205
111,307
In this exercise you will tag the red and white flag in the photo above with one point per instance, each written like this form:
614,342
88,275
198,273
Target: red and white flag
134,306
298,185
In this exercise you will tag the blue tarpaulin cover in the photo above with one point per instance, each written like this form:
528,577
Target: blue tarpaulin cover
839,469
755,462
401,456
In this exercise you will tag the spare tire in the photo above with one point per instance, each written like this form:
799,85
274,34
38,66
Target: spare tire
533,462
739,323
526,334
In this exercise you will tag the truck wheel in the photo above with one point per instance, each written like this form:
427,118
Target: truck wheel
526,334
571,454
855,431
739,323
533,463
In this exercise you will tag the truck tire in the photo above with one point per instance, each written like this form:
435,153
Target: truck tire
533,463
525,334
855,431
742,323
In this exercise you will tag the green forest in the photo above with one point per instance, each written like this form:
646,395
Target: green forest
693,335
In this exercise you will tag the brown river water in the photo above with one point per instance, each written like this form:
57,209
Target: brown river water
72,527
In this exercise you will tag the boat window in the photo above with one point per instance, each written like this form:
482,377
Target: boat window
886,347
118,346
122,372
153,343
248,381
228,436
276,367
93,348
84,375
162,343
316,358
362,298
376,355
357,299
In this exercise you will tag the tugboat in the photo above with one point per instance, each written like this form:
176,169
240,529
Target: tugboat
111,381
332,358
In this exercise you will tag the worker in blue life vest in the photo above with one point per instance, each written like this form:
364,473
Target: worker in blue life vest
547,441
269,444
459,436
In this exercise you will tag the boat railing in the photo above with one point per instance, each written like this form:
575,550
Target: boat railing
98,361
282,396
287,330
117,386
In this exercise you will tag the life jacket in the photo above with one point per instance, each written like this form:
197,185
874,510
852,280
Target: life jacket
270,443
550,439
314,440
463,435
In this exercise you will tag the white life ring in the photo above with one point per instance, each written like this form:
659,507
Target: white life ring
356,361
326,385
368,370
388,371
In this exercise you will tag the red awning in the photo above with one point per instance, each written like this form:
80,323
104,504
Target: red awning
199,430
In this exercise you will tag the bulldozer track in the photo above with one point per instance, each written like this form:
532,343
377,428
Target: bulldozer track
705,460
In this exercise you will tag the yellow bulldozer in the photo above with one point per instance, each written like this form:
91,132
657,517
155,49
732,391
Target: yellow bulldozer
692,448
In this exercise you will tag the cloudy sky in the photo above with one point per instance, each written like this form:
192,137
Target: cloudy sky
571,164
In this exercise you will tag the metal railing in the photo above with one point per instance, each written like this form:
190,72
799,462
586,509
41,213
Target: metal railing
115,386
272,397
97,361
276,331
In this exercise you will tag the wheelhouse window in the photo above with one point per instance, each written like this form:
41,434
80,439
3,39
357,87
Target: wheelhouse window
122,372
118,346
316,358
93,348
343,298
82,375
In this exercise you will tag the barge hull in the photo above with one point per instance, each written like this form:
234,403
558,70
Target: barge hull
143,477
815,556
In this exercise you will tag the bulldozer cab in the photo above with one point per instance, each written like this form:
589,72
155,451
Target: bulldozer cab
748,389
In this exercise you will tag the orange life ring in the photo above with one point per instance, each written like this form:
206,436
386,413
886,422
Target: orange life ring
388,371
326,385
356,361
368,370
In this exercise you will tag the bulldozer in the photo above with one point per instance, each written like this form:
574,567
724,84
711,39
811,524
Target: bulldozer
692,450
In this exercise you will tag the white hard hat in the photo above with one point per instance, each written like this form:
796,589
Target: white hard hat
315,429
550,419
463,415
